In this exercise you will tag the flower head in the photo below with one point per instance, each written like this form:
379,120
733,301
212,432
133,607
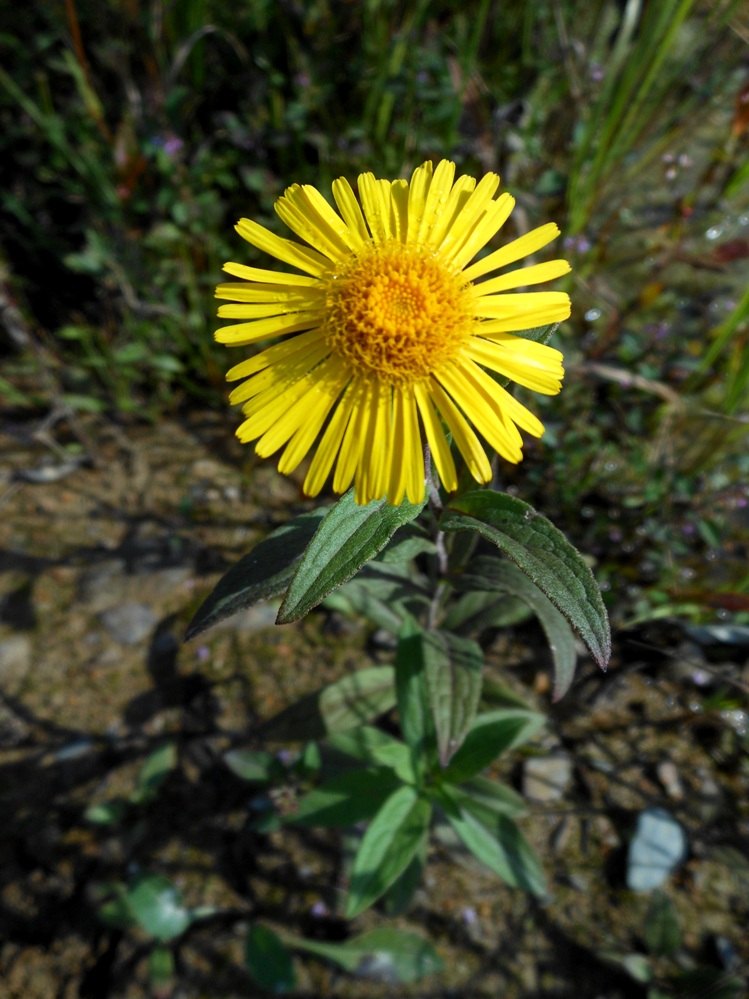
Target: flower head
388,335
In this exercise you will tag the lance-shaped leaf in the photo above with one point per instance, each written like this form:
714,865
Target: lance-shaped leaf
392,838
495,840
453,668
410,686
492,575
491,733
543,553
264,572
347,799
387,954
349,702
349,536
384,594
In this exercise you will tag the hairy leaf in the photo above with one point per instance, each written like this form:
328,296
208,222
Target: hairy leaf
543,553
264,572
348,537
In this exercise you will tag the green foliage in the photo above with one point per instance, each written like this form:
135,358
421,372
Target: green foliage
367,774
544,555
268,960
348,537
386,954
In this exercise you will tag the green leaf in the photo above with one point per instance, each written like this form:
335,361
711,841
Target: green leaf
268,960
350,701
347,799
410,686
111,904
400,894
406,545
384,594
106,813
349,536
157,907
387,954
264,572
154,772
496,841
543,554
391,840
492,733
371,745
486,793
255,766
453,669
662,932
161,970
491,574
474,612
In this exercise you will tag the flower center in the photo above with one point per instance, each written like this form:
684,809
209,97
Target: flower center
397,311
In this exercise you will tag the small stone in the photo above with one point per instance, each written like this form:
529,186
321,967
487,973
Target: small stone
15,658
657,849
103,586
129,623
668,775
546,778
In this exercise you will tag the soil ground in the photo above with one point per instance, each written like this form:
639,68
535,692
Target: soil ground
101,567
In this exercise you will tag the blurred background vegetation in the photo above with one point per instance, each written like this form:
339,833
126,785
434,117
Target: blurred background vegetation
134,134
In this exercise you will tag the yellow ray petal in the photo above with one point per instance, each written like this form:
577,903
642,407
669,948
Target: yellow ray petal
436,200
295,210
520,304
413,451
310,409
283,351
269,407
308,298
472,210
377,442
374,210
351,212
516,250
304,436
540,372
418,189
258,310
484,229
438,445
271,277
524,321
459,195
536,274
466,440
292,253
352,441
258,390
262,329
504,406
329,446
399,210
481,409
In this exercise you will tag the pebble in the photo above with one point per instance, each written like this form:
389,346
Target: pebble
129,623
668,775
15,658
546,778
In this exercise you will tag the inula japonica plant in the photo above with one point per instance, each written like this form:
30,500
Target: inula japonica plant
385,354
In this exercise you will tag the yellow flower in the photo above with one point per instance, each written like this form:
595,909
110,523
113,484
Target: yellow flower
388,334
